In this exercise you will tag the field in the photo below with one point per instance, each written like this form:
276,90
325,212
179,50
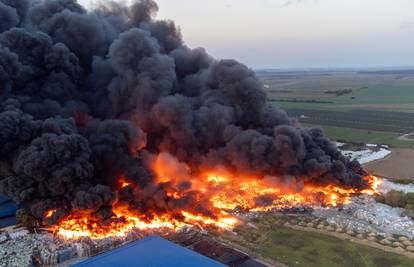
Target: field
343,134
370,91
361,107
299,248
375,120
398,166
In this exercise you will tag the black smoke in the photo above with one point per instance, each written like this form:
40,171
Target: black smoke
88,96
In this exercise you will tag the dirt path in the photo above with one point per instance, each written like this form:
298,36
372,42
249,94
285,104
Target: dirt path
399,165
407,137
355,240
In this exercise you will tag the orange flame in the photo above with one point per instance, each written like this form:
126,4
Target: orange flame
50,213
75,228
123,182
225,192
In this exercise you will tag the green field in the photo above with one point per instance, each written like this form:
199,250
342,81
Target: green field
377,107
364,136
392,92
299,248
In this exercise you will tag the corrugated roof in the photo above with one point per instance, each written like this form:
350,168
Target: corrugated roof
152,251
7,211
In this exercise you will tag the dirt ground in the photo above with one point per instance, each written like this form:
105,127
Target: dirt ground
399,165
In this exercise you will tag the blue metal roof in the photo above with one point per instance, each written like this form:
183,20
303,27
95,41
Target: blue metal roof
152,251
7,211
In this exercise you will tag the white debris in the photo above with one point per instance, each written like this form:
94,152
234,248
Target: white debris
363,214
18,233
366,155
339,144
3,237
387,186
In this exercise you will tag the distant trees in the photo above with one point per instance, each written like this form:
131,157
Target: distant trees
339,92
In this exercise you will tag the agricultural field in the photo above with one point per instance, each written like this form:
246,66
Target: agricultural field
391,166
343,134
374,120
309,249
341,90
353,106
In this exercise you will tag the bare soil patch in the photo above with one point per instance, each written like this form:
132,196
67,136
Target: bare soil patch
399,165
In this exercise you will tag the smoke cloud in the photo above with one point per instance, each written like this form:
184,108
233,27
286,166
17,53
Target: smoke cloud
88,96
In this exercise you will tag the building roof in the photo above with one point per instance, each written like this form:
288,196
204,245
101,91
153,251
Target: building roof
7,211
152,251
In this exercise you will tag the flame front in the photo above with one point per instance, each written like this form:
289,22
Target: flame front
256,195
224,194
75,228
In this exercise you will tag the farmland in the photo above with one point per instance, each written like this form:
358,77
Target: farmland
355,106
370,91
391,167
343,134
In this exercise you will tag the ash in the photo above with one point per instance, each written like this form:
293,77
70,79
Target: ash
364,214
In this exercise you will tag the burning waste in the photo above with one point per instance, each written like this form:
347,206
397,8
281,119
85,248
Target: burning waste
109,122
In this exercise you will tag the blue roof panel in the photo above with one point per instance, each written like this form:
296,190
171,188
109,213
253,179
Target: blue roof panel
3,199
7,221
152,251
7,209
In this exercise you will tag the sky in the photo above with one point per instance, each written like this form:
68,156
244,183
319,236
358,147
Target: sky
298,33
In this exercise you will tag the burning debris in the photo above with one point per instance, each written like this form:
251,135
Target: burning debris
109,122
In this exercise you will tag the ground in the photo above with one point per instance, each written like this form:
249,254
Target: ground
364,136
380,104
399,165
369,108
271,240
353,106
370,91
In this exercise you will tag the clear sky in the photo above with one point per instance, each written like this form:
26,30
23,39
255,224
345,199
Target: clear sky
298,33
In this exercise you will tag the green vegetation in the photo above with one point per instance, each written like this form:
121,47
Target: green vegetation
364,136
400,200
25,218
393,92
402,181
360,107
295,100
299,248
395,122
339,92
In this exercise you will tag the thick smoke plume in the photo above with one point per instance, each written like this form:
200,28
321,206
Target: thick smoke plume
89,96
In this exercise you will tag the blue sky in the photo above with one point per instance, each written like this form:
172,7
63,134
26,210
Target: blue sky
298,33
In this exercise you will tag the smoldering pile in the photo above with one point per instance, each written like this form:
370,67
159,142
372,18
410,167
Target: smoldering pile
88,96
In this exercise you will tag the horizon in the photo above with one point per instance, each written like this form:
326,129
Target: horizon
298,33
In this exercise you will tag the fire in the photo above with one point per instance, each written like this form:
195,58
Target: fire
123,182
225,194
75,228
50,213
245,195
